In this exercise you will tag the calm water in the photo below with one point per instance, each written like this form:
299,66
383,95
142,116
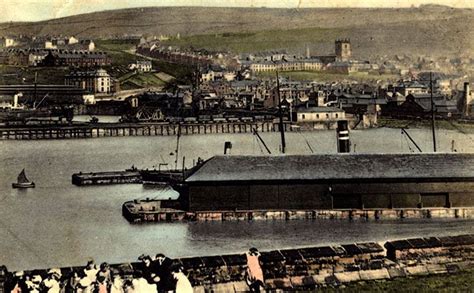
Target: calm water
58,224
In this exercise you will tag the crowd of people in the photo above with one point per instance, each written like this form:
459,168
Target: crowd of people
158,274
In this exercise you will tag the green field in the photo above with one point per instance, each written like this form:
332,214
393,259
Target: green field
259,41
117,50
141,80
121,54
460,282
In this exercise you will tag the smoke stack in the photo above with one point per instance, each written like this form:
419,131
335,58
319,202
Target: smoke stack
15,100
467,98
343,142
227,146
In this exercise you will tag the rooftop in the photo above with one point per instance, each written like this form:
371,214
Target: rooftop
318,110
336,167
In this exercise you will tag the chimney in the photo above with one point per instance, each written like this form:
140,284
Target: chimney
227,146
467,99
15,100
343,142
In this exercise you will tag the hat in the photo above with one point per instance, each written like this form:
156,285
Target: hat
36,279
56,272
144,257
253,251
19,273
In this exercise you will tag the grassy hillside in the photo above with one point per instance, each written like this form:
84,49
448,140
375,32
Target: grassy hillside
427,30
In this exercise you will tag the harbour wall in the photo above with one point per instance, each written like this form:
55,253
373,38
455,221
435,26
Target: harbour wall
150,212
310,268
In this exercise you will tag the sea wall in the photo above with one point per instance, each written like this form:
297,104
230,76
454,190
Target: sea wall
315,267
171,214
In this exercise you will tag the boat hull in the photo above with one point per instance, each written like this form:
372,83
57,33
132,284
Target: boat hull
24,185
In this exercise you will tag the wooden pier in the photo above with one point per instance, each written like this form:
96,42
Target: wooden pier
136,129
103,178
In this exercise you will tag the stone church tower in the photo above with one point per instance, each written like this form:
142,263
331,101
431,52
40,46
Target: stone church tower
343,50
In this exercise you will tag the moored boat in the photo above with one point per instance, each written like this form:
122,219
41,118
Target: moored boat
22,181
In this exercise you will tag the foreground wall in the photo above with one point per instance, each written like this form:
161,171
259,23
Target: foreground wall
314,267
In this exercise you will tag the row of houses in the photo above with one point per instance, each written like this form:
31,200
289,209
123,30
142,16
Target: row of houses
48,42
52,57
174,55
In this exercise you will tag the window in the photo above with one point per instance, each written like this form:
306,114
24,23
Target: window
327,115
302,117
317,116
337,116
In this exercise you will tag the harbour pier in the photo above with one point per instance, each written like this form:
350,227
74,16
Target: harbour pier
104,178
85,130
133,129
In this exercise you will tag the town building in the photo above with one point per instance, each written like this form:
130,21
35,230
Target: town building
76,58
9,42
95,82
141,66
318,114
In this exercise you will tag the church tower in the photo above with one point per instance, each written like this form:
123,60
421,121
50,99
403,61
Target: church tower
343,50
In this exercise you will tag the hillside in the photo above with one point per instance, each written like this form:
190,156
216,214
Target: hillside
435,30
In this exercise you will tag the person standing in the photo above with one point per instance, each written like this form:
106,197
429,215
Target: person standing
117,284
51,283
162,270
182,282
254,273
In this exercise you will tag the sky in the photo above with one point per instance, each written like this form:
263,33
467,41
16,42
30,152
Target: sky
34,10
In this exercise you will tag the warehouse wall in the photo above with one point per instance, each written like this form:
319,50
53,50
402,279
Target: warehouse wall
256,196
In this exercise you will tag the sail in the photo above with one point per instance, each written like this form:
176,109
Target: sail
22,177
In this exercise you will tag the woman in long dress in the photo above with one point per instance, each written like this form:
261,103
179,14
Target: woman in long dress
182,282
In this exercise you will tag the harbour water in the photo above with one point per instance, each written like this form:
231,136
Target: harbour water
59,224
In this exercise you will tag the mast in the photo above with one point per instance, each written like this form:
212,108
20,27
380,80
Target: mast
36,82
178,135
177,146
280,112
432,112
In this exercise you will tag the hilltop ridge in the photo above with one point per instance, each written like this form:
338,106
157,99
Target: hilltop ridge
436,29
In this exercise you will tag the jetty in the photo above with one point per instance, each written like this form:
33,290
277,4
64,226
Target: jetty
104,178
73,131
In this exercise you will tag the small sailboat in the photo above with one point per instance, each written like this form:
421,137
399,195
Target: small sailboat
22,181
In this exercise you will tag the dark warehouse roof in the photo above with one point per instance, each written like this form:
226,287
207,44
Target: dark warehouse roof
336,166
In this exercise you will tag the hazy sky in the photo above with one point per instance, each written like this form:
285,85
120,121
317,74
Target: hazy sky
32,10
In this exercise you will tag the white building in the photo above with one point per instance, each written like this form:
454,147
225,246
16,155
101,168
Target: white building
319,114
10,42
95,82
141,66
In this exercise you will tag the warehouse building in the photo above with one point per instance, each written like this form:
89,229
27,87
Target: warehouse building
338,181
